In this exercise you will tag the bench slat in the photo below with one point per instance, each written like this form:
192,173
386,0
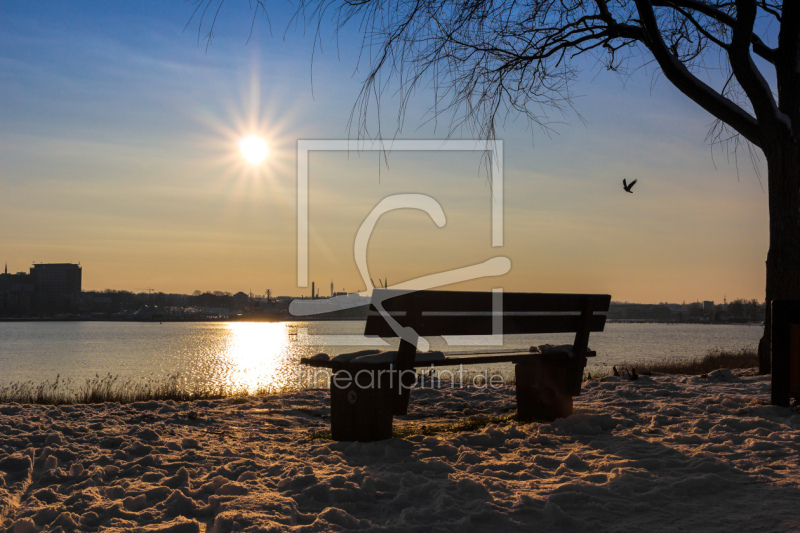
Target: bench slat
482,325
482,301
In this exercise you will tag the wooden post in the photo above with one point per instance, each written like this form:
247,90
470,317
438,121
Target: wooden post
785,351
581,345
406,355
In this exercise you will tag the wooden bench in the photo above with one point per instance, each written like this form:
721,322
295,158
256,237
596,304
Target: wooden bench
366,395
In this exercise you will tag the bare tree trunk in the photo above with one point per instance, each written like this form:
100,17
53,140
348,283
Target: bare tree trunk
783,258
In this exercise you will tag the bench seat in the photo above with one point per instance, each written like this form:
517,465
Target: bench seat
449,360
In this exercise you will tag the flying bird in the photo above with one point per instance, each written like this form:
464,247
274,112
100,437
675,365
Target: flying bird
628,187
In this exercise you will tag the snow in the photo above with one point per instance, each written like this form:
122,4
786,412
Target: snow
551,348
349,356
660,453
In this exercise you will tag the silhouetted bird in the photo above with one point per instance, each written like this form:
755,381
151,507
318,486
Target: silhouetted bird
634,375
628,187
616,372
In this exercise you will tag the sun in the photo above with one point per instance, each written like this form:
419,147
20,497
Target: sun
254,149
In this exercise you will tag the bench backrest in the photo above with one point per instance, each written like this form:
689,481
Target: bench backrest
432,313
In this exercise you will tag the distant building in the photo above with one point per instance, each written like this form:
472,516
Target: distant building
150,312
49,289
56,278
639,312
678,313
16,294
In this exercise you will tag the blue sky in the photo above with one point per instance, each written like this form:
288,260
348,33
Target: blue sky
118,135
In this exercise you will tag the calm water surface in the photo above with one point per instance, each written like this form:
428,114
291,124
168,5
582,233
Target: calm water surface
266,354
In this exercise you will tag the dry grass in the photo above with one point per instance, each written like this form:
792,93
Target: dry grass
713,360
110,389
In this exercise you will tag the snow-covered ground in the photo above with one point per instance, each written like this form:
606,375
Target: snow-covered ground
662,453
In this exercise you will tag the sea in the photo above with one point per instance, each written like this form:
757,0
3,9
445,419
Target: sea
263,355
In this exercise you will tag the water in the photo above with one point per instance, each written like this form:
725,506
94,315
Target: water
254,355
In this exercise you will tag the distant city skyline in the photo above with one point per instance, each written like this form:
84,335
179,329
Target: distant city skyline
119,149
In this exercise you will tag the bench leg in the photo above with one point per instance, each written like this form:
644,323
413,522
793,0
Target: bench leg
361,414
402,391
543,390
405,377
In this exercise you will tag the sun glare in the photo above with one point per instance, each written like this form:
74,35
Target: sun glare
254,149
259,354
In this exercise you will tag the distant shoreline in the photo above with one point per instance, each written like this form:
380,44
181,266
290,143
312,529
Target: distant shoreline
317,319
177,320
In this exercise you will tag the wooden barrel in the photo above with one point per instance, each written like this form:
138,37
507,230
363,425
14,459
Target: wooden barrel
362,400
545,386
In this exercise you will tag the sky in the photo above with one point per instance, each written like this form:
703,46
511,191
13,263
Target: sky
119,134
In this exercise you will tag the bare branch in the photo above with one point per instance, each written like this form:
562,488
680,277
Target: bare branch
689,84
751,80
773,8
485,59
722,17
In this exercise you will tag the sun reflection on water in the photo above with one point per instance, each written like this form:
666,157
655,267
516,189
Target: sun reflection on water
259,355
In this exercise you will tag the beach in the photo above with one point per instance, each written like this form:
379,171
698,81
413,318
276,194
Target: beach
661,453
